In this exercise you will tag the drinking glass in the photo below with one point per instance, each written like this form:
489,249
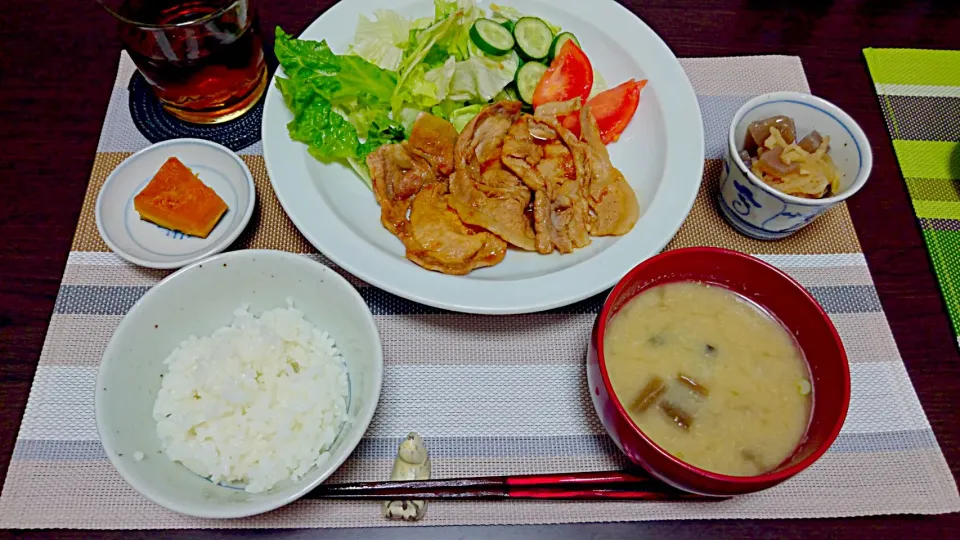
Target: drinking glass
203,58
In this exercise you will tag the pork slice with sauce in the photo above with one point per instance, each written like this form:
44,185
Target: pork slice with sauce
397,176
544,155
398,171
438,240
433,139
484,193
409,182
612,201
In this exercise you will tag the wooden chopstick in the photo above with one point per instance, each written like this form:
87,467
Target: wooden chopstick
574,486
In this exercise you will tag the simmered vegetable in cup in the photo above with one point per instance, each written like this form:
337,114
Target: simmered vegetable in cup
800,168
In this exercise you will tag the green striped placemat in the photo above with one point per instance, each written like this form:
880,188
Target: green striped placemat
919,93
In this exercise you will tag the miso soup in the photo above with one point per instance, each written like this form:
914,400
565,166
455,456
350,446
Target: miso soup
709,377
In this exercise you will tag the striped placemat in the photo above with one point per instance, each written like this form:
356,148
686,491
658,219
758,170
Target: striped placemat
445,375
919,93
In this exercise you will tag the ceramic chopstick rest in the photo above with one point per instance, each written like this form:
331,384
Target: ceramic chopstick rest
412,463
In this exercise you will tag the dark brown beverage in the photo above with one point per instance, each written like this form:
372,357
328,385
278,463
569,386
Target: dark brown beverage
203,58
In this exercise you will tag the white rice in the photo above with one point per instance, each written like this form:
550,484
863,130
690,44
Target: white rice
256,403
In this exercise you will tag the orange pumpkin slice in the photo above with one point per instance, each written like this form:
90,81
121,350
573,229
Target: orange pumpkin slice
176,199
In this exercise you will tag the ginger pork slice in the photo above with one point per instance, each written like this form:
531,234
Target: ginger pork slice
176,199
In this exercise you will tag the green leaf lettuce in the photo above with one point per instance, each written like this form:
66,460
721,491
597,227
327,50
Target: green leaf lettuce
336,101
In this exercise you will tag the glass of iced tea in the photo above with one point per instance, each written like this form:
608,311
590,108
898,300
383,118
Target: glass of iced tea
203,58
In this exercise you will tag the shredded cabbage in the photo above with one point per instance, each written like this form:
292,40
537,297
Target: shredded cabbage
382,41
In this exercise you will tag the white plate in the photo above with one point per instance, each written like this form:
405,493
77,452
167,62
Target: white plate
661,154
150,245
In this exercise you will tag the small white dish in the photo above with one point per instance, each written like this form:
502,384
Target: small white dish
759,211
197,300
150,245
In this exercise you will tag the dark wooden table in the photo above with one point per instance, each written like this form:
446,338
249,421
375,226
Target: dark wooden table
57,65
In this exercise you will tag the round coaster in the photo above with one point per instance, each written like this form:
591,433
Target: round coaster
158,125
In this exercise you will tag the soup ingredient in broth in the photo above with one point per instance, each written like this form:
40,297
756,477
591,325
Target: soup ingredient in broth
255,403
176,199
709,377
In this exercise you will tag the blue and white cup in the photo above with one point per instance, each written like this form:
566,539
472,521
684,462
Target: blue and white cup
760,211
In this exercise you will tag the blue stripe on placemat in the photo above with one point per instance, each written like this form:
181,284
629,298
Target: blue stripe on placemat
115,300
494,447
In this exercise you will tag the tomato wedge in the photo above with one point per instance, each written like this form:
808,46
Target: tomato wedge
570,75
613,109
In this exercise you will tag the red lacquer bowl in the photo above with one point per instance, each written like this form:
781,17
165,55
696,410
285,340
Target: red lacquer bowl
781,296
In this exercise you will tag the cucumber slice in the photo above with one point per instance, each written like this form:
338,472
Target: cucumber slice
560,40
533,37
527,79
508,24
491,38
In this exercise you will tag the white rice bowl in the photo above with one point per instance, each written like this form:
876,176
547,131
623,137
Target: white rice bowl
255,403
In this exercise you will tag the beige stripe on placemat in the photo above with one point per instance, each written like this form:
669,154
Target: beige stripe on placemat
270,228
866,337
831,233
79,340
120,275
87,237
830,276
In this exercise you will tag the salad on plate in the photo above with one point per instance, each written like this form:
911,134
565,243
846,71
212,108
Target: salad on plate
476,130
